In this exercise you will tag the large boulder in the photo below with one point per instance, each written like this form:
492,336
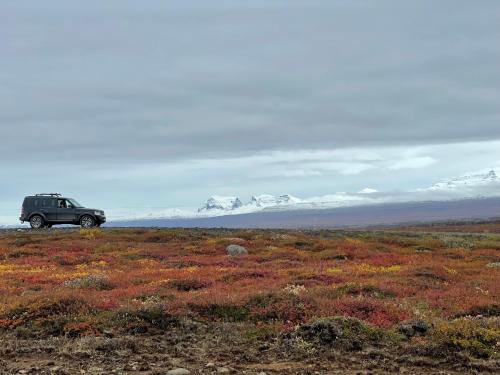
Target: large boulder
236,250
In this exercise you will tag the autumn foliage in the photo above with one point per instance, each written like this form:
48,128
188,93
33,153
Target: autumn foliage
77,283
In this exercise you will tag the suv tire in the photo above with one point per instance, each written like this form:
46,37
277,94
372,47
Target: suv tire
87,221
37,222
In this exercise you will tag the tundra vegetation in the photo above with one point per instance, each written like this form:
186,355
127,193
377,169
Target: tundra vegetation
147,300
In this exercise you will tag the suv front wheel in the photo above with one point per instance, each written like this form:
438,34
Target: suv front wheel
87,221
37,222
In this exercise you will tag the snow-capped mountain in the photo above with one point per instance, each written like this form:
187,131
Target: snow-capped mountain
468,181
216,203
266,200
469,195
481,183
220,204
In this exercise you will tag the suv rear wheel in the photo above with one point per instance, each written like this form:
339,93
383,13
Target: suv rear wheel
37,222
87,221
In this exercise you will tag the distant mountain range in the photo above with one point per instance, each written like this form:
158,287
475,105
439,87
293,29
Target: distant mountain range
218,204
470,196
465,186
341,217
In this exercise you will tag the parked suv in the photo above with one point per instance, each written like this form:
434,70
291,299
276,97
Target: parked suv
45,210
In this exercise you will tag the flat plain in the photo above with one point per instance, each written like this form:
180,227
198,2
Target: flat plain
146,301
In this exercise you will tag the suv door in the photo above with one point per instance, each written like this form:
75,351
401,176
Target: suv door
48,208
66,213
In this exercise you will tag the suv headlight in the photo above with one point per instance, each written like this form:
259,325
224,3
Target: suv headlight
99,213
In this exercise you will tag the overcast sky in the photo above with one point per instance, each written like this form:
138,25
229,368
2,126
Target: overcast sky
164,103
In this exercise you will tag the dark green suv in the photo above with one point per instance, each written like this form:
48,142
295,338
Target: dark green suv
45,210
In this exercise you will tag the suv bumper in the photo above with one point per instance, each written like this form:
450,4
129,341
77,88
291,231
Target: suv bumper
100,219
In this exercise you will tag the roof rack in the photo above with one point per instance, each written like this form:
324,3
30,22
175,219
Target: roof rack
48,194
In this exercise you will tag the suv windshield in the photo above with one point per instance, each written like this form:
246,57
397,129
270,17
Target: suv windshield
74,203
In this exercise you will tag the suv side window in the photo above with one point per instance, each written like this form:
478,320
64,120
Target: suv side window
63,203
48,203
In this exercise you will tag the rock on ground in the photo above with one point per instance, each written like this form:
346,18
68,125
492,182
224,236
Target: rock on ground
178,371
235,250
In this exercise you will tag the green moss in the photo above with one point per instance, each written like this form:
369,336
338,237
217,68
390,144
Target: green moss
476,336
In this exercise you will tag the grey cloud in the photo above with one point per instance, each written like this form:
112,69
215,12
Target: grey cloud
165,81
153,103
